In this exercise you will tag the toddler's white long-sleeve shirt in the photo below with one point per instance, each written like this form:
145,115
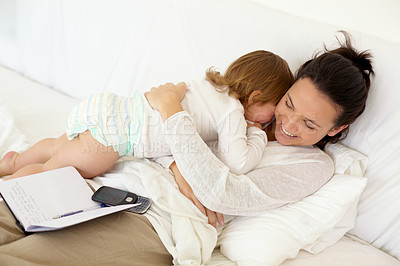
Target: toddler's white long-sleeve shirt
216,116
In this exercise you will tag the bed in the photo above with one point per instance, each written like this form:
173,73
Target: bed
365,233
45,118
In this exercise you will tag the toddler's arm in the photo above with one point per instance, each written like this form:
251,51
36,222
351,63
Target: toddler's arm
240,147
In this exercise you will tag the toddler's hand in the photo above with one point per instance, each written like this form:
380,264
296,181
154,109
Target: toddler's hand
165,94
254,124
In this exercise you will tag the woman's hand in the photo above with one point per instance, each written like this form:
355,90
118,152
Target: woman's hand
187,191
165,94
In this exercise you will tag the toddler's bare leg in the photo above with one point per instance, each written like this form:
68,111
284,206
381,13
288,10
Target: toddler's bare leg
84,152
38,153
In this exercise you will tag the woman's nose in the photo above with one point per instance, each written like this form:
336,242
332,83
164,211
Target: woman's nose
292,124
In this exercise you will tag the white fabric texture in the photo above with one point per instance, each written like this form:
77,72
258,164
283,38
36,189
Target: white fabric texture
113,120
376,134
312,224
352,163
349,250
285,174
216,116
11,138
182,228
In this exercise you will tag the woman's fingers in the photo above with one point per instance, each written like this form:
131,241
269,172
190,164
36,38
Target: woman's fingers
187,191
199,206
185,188
220,218
211,218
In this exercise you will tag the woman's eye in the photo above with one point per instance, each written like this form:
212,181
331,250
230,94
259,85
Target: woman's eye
308,125
287,104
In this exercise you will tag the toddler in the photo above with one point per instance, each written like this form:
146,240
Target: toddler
105,127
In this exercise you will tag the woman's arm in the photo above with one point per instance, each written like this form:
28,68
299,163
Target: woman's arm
187,191
290,174
286,174
167,102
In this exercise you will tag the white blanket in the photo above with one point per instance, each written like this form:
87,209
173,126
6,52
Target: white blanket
183,229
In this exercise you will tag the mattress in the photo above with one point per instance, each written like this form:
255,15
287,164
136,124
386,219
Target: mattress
40,111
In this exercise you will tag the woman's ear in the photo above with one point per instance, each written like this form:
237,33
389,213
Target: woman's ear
336,130
252,95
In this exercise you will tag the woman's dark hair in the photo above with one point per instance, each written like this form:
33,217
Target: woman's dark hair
343,75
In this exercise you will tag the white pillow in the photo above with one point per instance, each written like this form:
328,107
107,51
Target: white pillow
312,224
351,162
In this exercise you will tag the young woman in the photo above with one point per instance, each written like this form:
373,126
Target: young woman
329,93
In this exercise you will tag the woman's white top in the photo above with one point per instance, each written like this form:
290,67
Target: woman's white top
285,174
216,117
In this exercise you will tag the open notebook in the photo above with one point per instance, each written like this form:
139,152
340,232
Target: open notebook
52,200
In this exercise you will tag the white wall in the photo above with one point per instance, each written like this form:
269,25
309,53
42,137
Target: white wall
379,18
83,47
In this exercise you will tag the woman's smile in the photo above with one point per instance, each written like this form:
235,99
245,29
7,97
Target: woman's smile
285,132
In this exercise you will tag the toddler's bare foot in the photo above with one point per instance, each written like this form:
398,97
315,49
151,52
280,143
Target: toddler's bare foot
7,164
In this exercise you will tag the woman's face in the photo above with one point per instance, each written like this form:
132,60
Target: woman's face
304,115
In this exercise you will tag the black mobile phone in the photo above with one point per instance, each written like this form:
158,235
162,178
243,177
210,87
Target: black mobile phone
114,196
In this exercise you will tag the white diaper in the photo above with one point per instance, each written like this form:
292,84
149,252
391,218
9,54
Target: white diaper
113,120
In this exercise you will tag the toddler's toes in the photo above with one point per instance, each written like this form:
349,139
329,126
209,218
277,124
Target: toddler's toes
7,163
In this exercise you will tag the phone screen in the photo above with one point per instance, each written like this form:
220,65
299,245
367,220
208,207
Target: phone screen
113,196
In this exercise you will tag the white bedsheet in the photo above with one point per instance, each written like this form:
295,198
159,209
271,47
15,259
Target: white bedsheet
42,113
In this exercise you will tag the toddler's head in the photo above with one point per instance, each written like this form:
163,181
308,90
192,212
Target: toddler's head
255,79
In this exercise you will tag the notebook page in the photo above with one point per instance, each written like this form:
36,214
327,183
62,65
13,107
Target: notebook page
40,197
54,224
